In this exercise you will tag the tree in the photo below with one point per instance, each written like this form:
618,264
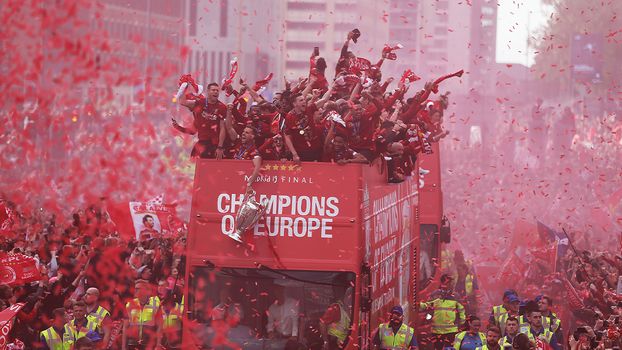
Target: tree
569,18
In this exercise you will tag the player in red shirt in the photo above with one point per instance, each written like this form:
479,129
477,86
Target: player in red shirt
362,124
274,149
209,123
302,134
317,70
243,145
336,149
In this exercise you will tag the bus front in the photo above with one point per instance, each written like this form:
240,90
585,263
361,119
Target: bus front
278,289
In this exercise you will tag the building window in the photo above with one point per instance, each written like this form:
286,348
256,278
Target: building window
223,17
204,73
193,18
189,63
197,62
220,67
212,64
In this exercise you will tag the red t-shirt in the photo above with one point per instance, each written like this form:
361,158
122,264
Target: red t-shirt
268,151
207,118
262,124
305,134
361,131
332,156
241,151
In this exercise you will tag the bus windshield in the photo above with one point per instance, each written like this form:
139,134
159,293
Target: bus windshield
268,309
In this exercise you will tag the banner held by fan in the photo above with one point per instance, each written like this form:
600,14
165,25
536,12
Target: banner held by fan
7,318
18,269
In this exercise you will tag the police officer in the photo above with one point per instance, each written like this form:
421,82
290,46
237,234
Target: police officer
447,314
394,334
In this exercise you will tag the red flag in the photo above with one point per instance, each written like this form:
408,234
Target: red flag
227,81
121,219
542,345
7,218
7,317
18,269
572,297
263,82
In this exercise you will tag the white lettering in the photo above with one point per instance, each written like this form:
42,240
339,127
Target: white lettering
236,202
221,197
287,216
318,204
286,224
332,202
284,201
227,224
325,228
300,227
314,224
304,205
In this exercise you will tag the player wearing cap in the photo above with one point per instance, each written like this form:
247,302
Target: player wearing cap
447,313
395,334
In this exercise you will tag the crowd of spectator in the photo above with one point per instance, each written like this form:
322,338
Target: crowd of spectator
90,279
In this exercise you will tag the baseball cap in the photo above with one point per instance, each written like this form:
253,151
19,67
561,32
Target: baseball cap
513,299
509,292
397,310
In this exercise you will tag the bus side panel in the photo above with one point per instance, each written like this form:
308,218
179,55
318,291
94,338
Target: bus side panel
430,217
389,226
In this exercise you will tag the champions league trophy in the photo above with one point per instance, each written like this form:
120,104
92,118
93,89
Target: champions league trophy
250,212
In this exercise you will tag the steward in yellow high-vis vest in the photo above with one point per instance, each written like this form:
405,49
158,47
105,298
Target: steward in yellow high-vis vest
447,313
142,324
335,325
395,335
500,313
550,321
536,330
172,314
511,331
472,337
493,333
98,314
80,326
52,338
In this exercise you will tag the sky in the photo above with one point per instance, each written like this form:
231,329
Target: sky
515,19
